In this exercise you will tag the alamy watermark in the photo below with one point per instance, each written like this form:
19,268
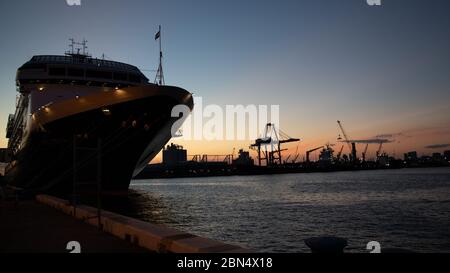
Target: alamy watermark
373,2
78,2
73,247
73,2
374,247
229,122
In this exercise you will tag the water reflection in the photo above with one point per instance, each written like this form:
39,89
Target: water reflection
138,204
400,208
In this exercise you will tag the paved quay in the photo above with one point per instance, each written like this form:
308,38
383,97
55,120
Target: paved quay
49,223
32,227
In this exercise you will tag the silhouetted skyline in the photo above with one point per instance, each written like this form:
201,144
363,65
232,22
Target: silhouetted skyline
382,70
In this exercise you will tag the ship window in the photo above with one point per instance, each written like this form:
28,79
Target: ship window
57,71
98,74
120,76
75,72
33,66
134,78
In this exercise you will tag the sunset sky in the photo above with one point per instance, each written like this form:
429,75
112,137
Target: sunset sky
381,70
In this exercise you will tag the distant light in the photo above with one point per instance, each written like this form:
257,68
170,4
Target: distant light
77,97
41,89
106,111
120,91
117,88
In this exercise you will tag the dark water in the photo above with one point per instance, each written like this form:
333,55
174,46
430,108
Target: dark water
407,208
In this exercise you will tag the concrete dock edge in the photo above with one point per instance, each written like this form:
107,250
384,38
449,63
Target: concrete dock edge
153,237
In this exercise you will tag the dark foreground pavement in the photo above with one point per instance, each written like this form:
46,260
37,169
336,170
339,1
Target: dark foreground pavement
30,227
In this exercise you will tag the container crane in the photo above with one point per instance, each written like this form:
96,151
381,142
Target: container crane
274,139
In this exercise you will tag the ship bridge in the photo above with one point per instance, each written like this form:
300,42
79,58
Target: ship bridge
79,69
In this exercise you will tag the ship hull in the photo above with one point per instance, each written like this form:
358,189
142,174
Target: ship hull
99,147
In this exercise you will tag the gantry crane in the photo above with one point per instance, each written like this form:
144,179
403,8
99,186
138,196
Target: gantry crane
274,139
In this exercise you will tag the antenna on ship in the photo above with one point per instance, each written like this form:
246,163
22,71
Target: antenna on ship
159,79
72,46
84,44
78,47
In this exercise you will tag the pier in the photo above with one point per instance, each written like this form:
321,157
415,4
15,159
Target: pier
48,224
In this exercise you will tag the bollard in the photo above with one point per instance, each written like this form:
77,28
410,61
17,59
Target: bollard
327,244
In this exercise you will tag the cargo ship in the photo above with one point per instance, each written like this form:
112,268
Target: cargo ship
80,120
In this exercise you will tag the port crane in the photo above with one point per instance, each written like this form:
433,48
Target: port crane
350,144
379,148
293,156
287,158
345,135
364,153
310,151
296,156
269,146
338,156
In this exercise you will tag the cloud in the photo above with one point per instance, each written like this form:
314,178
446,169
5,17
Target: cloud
389,135
443,130
437,146
369,141
415,132
385,136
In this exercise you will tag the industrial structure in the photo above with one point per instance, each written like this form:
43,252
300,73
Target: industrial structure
269,146
351,144
310,151
243,159
174,154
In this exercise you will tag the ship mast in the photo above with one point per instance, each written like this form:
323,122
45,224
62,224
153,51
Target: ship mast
159,79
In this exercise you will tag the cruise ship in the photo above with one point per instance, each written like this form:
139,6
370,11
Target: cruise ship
81,121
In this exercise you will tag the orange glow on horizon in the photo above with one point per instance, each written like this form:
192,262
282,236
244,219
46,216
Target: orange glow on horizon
3,142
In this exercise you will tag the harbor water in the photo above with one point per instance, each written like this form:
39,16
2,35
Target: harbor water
405,208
